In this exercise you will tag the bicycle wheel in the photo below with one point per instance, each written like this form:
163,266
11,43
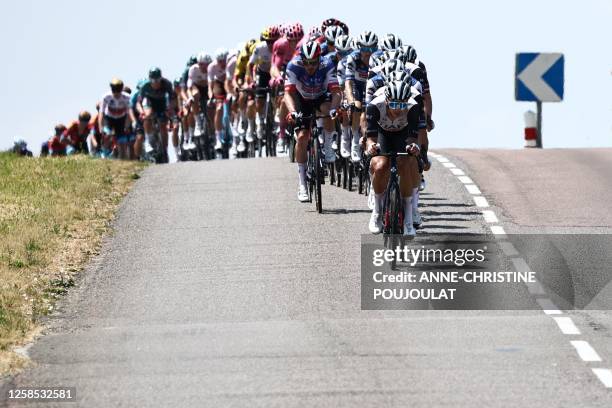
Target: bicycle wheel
291,146
350,172
393,218
318,174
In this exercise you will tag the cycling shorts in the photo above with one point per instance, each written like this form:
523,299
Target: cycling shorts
395,141
359,91
262,81
309,107
114,125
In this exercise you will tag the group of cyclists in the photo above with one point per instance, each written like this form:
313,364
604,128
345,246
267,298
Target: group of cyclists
368,96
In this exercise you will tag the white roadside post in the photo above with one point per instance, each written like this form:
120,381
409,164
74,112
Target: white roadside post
531,131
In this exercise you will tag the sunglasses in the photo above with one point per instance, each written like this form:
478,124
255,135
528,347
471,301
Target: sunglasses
155,80
398,105
368,49
311,63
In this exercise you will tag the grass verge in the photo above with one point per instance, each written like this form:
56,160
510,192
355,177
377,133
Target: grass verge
53,215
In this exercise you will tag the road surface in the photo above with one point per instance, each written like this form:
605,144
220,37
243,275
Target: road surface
219,289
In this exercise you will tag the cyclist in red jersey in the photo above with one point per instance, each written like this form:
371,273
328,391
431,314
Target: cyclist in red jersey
282,52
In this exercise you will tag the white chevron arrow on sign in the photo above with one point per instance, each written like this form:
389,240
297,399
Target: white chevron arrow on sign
532,77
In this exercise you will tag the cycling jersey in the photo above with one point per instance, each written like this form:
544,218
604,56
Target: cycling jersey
356,70
421,75
164,93
412,118
115,107
341,71
311,86
74,137
216,73
377,82
231,65
282,53
196,76
261,57
243,60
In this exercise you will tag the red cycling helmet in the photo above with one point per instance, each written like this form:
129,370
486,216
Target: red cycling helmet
295,32
334,22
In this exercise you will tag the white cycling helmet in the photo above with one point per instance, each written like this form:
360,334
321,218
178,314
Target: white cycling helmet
392,65
375,61
343,44
204,58
390,42
393,54
367,39
410,53
397,76
310,50
221,54
397,91
333,32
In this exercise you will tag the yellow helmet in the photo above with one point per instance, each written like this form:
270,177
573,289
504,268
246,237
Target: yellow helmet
116,84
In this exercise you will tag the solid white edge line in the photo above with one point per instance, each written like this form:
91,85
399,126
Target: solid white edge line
472,189
449,165
604,375
567,326
457,172
480,201
465,180
490,216
548,306
585,351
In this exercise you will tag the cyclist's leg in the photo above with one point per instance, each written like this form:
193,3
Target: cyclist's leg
282,122
301,147
328,130
263,79
251,113
148,125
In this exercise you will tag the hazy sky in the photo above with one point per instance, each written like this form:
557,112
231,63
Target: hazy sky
59,56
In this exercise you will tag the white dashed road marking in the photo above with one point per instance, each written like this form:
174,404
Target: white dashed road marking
472,189
547,306
585,351
498,230
567,326
604,375
490,217
480,201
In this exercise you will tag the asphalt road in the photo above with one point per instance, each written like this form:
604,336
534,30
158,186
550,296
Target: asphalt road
220,289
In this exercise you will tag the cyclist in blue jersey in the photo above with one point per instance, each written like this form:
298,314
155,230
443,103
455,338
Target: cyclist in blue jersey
357,67
137,125
156,97
311,87
331,33
343,49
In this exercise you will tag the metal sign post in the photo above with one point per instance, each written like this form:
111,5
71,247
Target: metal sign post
539,125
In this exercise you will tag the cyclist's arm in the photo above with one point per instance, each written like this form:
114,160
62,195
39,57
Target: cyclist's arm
372,118
333,88
101,114
349,81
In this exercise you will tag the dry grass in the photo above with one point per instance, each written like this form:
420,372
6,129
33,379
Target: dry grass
53,215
